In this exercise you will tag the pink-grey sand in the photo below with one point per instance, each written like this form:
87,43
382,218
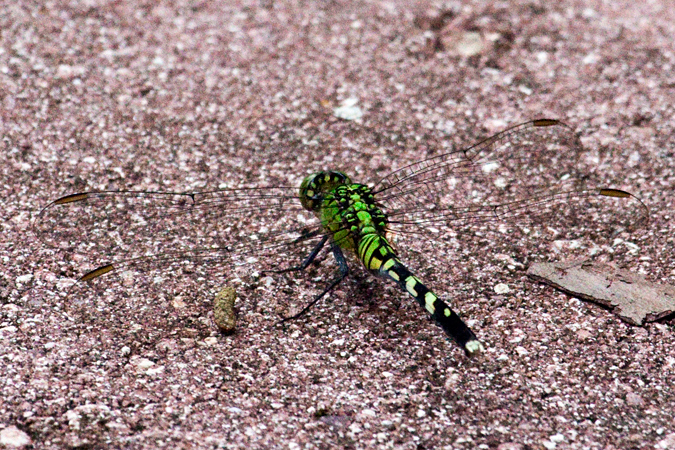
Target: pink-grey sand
185,96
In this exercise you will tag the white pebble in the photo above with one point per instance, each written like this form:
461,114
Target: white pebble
502,288
348,110
12,437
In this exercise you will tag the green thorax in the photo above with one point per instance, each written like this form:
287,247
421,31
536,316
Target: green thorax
347,210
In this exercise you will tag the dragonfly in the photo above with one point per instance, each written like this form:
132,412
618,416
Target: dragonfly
531,171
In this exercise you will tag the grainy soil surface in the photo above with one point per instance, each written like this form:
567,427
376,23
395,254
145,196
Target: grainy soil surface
182,96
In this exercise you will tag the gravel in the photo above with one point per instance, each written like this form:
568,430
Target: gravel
182,95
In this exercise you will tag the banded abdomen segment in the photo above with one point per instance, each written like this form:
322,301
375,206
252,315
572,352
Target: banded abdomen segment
378,256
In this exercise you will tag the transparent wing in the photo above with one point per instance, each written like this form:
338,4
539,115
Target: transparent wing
528,172
151,230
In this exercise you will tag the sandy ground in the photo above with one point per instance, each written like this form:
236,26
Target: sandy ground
193,95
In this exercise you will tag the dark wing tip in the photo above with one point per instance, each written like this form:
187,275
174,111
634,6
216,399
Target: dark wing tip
611,192
618,193
71,198
97,272
546,122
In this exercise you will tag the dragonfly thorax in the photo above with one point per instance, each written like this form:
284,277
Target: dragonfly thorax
349,212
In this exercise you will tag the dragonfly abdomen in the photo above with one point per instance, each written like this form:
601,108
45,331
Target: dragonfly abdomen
379,257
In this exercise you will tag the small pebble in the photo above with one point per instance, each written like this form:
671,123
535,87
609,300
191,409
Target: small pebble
12,437
502,288
348,110
509,446
634,399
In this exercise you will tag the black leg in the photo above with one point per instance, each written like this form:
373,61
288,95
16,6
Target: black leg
343,271
306,262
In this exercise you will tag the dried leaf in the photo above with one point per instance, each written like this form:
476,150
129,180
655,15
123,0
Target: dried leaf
629,295
223,310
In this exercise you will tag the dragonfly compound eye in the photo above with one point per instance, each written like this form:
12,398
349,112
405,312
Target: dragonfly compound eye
315,186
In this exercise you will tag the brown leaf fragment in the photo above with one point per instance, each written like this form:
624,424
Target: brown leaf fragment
223,310
629,295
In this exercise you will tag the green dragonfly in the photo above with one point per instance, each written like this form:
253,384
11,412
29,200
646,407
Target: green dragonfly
529,171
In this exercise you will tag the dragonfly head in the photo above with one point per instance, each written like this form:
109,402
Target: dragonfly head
317,185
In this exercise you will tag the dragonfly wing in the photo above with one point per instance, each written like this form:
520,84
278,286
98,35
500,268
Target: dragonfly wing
532,171
150,230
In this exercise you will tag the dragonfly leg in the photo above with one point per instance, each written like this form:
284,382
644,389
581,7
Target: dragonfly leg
343,271
307,261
